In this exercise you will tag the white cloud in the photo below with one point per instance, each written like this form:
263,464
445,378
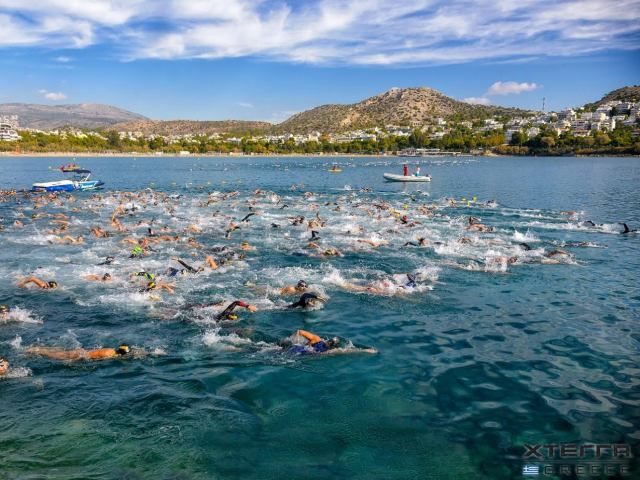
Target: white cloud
375,32
476,100
53,96
511,88
63,59
245,104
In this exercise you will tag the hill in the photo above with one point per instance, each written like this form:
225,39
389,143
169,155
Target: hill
185,127
624,94
398,106
83,115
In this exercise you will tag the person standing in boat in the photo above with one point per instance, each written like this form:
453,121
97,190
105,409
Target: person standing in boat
417,174
405,170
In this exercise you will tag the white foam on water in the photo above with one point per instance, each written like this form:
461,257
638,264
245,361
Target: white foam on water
16,343
22,315
526,237
17,372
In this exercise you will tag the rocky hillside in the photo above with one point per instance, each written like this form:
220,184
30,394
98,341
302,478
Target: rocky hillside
624,94
397,106
83,115
184,127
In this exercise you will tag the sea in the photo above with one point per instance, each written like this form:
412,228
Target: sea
520,336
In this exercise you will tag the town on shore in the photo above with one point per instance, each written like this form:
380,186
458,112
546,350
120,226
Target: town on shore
611,128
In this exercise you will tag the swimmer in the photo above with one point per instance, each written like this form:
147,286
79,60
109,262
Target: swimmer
152,285
556,256
314,344
188,267
373,243
557,253
421,242
4,312
247,217
627,229
525,246
80,353
51,285
246,246
227,313
108,261
4,366
99,278
300,287
307,300
137,252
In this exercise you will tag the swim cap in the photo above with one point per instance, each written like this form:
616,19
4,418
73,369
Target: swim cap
52,284
232,316
4,308
123,350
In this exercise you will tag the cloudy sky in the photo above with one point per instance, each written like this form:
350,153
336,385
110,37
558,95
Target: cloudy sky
266,59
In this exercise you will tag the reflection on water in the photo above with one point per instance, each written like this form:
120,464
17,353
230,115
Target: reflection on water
501,342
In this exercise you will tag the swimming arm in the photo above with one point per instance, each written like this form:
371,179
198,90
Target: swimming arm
311,337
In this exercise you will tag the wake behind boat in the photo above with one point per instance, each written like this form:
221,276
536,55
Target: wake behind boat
81,180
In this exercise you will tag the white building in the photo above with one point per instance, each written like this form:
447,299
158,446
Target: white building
7,133
533,131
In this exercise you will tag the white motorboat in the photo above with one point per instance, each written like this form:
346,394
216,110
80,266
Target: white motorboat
406,178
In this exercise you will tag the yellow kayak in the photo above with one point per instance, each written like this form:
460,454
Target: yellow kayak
335,170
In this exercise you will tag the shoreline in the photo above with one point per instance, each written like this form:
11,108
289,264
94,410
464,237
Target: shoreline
72,155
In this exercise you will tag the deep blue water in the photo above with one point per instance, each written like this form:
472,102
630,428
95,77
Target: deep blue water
483,357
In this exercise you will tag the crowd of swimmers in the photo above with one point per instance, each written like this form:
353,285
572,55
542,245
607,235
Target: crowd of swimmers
135,247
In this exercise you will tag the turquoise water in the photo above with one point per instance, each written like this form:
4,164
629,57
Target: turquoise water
482,357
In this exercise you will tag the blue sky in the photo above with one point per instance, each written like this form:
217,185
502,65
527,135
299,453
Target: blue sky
267,59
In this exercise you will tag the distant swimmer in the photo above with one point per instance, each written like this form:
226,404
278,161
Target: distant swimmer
373,243
247,217
153,285
80,353
556,256
589,223
300,287
627,229
332,252
307,300
314,344
108,261
525,246
557,253
227,313
421,242
137,252
99,278
4,312
99,232
4,366
50,285
475,224
188,267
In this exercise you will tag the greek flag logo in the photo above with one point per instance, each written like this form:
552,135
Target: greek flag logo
531,470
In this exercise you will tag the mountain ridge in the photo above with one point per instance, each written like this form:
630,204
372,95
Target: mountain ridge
398,106
79,115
